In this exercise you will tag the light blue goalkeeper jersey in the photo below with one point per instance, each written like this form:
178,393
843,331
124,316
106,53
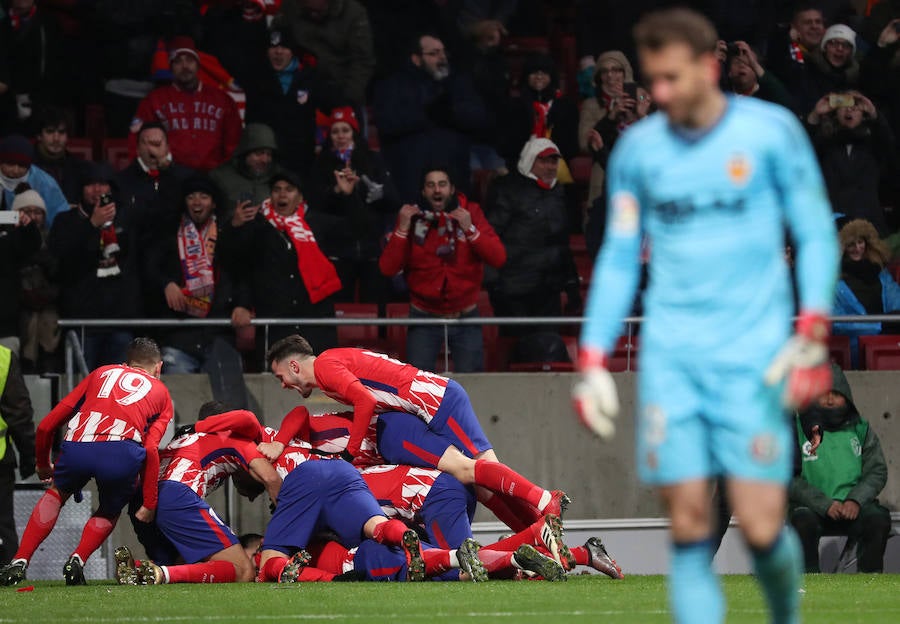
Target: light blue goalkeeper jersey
714,208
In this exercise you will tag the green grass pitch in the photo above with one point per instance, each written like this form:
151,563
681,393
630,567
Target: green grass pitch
847,599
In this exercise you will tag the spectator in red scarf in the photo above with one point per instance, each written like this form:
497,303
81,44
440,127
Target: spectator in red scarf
442,246
271,253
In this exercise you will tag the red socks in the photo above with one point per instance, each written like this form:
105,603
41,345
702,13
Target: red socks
495,560
311,575
504,480
96,530
42,520
531,535
271,569
437,560
206,572
582,557
390,532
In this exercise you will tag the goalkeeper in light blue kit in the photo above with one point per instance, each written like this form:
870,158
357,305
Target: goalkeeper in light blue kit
712,182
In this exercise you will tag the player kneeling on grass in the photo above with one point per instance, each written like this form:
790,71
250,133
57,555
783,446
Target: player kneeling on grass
192,466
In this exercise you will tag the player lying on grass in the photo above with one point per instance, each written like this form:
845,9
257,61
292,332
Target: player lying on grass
193,465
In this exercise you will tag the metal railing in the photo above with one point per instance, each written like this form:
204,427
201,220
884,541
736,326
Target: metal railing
75,340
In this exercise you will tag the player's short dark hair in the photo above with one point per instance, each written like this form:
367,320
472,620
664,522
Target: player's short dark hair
247,538
211,408
150,125
290,345
143,351
415,44
806,5
660,29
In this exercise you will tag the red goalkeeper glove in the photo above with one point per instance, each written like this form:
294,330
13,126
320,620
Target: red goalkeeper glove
803,362
594,395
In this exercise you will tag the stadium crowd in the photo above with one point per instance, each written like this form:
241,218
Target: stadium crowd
235,159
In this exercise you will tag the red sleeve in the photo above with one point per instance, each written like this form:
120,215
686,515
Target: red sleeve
46,430
150,474
294,425
245,448
239,422
395,255
485,241
335,378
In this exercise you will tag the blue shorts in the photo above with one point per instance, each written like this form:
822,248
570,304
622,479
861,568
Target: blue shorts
404,438
387,563
114,466
447,512
157,546
696,422
190,524
317,496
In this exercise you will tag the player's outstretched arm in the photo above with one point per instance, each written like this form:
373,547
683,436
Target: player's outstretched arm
261,470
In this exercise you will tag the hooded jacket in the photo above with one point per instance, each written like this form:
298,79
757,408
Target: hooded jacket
873,473
533,224
235,180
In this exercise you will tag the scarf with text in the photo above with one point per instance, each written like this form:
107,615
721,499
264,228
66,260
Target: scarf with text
318,274
196,250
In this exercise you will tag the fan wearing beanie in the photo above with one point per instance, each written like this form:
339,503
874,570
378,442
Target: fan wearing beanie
16,167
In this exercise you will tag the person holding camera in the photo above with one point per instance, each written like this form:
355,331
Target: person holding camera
746,76
441,250
97,247
856,151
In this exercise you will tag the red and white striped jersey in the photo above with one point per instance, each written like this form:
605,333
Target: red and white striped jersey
203,461
293,455
329,433
400,490
395,386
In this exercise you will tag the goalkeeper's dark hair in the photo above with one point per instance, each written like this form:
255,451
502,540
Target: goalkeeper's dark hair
211,408
661,29
143,352
294,345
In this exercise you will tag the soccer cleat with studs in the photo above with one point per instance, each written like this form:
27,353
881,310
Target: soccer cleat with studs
415,563
73,571
150,574
126,571
531,560
292,569
13,573
552,539
467,555
559,502
600,560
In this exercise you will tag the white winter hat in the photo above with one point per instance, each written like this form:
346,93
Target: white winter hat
840,31
29,198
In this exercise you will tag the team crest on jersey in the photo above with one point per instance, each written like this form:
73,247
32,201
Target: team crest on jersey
764,448
739,169
626,214
856,447
302,96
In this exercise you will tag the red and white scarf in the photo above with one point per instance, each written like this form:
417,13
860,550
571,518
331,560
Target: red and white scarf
318,274
196,249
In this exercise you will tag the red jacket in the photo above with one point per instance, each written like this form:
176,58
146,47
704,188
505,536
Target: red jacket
444,285
204,127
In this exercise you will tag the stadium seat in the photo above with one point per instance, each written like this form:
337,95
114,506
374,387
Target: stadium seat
396,334
839,351
373,137
580,167
115,152
880,352
481,180
82,147
624,355
365,336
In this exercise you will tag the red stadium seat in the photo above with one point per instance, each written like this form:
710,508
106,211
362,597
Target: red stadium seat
115,152
365,336
580,167
880,352
82,147
839,351
396,334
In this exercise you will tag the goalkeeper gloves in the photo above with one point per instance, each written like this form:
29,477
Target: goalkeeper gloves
803,362
594,396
